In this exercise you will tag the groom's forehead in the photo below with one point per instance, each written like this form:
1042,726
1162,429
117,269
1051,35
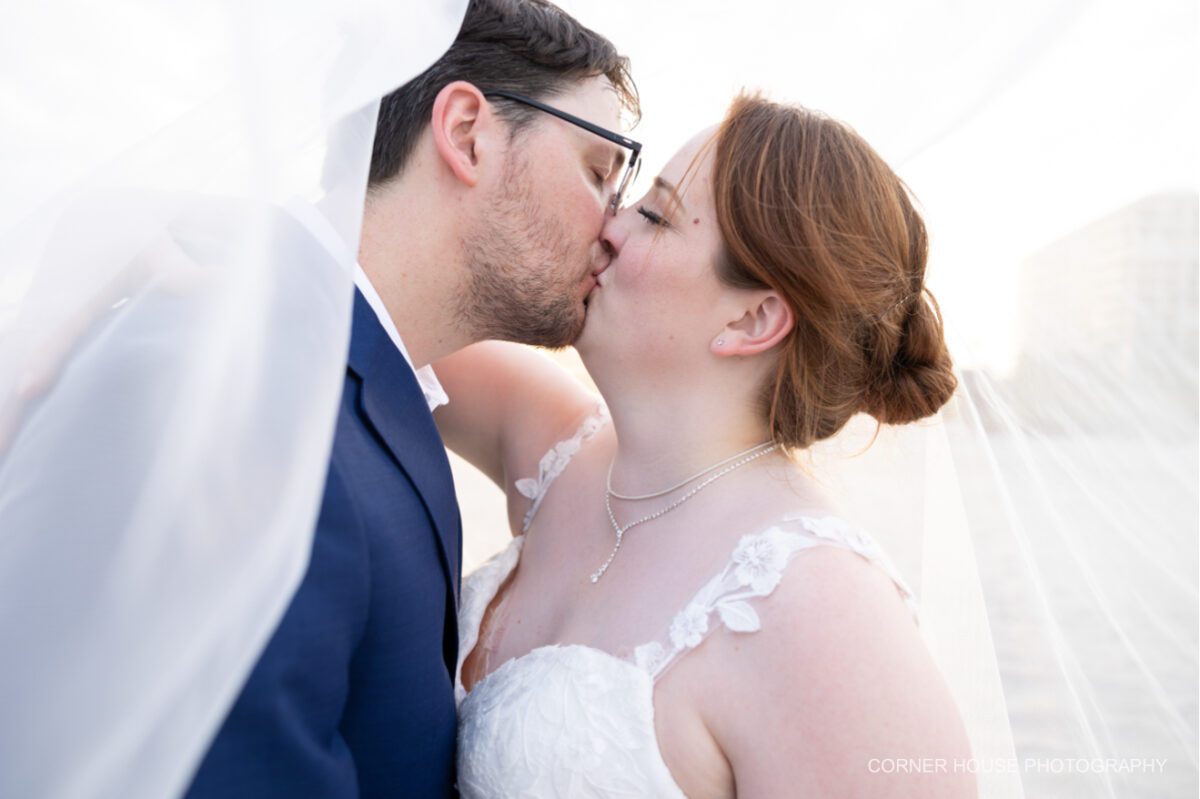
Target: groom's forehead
591,99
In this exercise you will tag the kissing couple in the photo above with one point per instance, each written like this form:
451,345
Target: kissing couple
681,611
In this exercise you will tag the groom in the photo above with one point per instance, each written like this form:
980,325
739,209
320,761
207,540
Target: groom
490,177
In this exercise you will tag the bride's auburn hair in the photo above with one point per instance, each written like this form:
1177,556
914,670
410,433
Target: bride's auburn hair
808,209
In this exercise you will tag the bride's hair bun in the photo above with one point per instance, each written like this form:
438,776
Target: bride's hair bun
919,377
808,209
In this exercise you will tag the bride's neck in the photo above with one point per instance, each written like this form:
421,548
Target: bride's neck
662,441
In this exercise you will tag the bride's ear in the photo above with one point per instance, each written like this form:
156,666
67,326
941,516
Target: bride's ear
764,324
460,124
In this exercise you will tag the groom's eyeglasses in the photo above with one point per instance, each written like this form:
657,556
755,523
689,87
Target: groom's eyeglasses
632,167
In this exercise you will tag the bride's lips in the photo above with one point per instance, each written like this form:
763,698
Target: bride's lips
603,260
593,282
596,275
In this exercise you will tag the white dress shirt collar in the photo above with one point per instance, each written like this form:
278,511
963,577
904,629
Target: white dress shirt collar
435,395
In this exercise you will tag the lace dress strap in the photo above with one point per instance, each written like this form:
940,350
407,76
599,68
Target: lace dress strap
754,570
554,461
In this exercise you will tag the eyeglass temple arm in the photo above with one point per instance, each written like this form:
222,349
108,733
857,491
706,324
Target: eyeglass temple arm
617,138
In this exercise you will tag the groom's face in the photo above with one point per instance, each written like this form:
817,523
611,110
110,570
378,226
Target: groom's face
534,256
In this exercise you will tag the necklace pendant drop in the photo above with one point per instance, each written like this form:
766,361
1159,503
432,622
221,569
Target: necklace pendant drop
600,572
739,460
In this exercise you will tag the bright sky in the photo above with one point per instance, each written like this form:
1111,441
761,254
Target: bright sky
1014,123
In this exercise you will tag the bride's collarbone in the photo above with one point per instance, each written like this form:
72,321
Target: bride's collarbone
655,573
573,535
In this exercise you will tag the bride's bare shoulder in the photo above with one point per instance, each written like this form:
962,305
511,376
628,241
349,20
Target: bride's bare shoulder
837,675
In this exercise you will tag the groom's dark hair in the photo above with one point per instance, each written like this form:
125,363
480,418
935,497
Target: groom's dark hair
530,47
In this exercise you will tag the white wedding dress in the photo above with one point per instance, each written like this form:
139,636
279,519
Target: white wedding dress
575,721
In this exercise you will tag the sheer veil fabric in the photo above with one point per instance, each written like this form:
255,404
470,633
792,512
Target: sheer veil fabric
172,348
158,491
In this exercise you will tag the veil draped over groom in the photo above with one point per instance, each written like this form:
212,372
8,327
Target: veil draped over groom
159,479
158,495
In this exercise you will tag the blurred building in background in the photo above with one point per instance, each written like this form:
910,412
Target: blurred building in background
1115,302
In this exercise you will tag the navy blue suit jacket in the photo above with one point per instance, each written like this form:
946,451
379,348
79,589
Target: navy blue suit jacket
354,693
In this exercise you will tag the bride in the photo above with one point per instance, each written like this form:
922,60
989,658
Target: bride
681,612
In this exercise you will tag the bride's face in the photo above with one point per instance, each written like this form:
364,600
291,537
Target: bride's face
659,304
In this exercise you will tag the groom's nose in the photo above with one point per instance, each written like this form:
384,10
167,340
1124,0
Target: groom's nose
614,233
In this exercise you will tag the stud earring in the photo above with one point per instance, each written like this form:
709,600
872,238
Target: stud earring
720,342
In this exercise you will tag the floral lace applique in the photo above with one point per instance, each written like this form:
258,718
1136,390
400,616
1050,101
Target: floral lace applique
758,561
689,626
554,461
836,529
755,570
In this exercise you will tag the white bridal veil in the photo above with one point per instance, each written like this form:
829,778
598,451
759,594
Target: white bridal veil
172,344
172,341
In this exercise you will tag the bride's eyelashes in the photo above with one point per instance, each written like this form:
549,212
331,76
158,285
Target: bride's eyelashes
652,217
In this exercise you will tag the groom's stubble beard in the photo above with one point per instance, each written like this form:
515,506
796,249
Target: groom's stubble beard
522,285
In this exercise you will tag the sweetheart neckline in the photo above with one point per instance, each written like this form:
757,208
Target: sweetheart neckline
605,656
549,647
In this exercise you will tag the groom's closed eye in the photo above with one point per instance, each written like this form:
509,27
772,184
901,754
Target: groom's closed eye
598,165
609,161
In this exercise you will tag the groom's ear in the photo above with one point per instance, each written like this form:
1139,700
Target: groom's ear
462,124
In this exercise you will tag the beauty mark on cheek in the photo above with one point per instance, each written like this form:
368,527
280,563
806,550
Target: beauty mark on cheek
696,221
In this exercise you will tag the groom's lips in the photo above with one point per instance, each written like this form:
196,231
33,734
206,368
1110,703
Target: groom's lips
592,285
589,286
597,272
593,281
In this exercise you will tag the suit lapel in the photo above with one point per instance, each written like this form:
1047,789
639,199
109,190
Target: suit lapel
393,403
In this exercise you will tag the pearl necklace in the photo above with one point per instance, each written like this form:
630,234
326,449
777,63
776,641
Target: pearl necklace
745,457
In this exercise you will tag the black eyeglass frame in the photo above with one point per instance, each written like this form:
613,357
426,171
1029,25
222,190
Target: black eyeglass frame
631,168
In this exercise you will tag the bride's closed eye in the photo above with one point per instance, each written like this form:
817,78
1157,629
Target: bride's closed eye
652,218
